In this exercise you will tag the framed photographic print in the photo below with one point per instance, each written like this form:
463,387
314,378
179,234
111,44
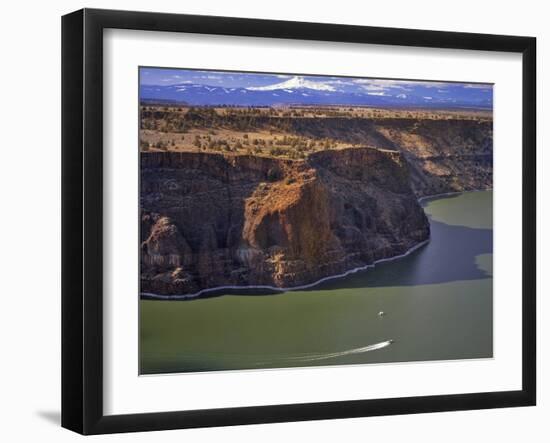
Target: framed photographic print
270,221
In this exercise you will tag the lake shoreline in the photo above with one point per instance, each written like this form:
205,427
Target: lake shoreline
450,194
197,295
277,290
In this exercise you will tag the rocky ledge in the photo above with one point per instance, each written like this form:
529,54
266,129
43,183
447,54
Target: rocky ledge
210,220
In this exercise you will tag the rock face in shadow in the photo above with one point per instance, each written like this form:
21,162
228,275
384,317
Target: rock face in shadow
211,220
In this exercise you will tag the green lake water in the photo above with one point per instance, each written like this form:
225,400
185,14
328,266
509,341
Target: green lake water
437,304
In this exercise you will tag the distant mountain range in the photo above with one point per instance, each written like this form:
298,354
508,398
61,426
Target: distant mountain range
301,91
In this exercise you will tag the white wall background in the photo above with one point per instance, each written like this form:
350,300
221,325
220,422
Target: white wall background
30,219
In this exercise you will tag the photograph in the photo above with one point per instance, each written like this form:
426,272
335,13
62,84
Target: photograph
291,220
267,221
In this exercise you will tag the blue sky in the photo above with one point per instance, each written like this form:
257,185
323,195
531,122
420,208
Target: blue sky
404,91
166,77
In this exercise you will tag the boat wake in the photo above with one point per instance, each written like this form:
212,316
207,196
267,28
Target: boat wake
316,357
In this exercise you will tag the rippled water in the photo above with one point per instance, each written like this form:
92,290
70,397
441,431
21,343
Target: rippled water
436,304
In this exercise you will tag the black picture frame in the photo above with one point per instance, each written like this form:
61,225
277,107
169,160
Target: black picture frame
82,215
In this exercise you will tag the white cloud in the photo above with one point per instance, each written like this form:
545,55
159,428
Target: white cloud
397,84
200,75
478,86
382,84
340,82
374,88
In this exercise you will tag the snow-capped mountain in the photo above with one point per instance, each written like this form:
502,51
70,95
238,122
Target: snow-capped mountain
295,83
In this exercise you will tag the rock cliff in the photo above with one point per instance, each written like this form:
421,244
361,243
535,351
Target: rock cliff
452,155
210,220
447,151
